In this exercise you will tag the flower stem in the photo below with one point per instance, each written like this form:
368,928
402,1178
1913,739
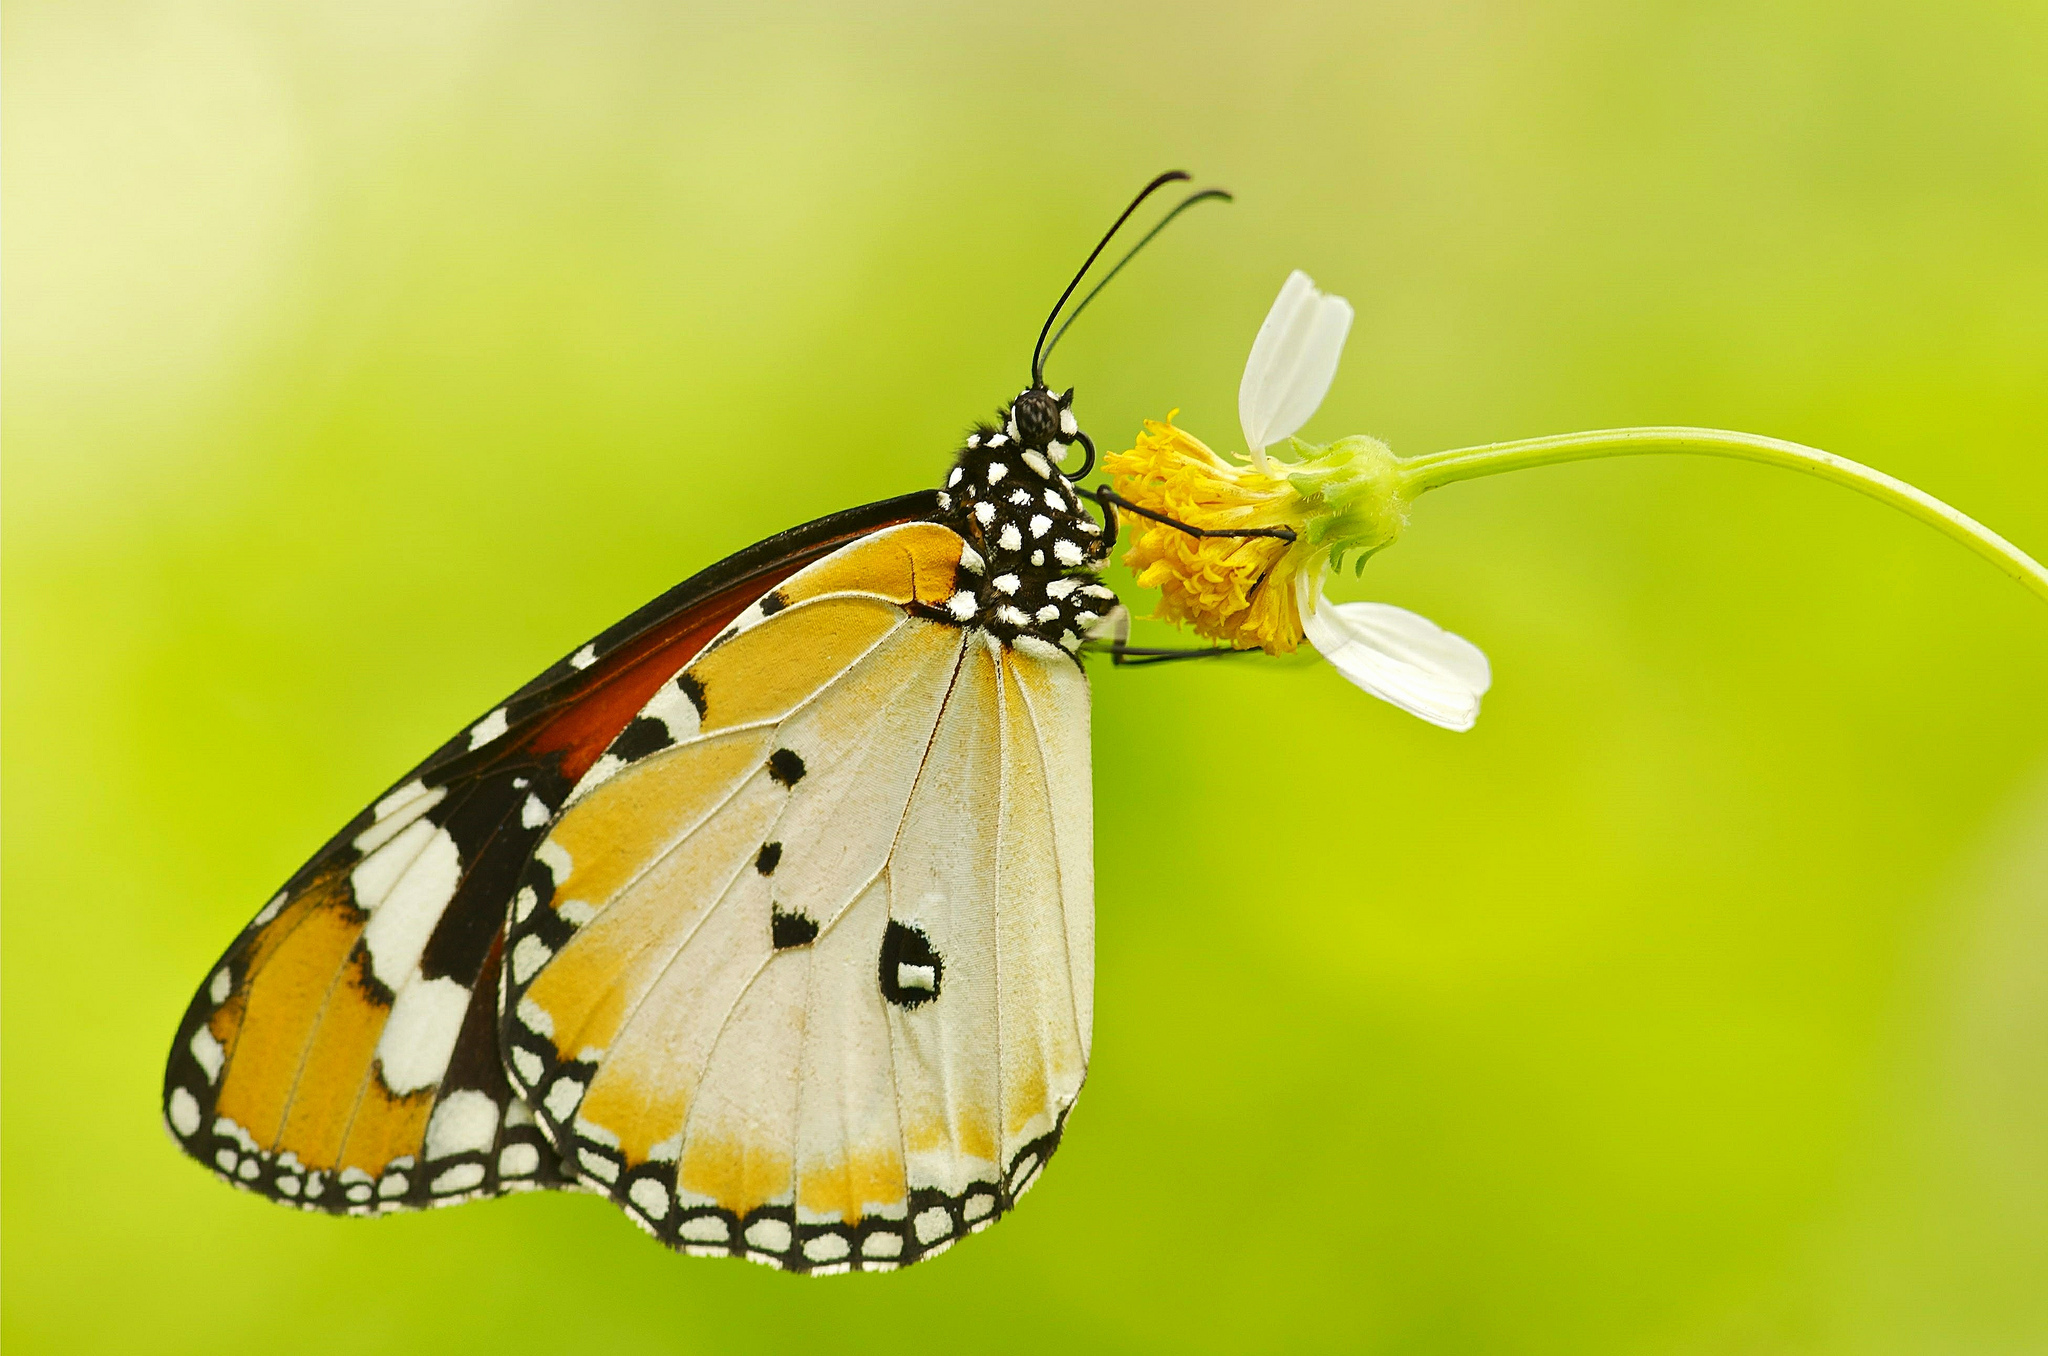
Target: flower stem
1432,469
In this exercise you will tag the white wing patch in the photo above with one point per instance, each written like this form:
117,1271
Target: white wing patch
812,987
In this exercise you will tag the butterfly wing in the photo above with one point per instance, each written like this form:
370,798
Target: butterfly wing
343,1054
803,973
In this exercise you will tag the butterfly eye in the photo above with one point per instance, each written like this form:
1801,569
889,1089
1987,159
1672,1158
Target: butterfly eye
1038,418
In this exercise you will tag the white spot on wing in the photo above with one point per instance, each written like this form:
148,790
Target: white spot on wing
223,985
555,858
672,708
563,1095
769,1235
465,1122
184,1112
528,957
397,816
534,1017
419,1036
533,813
405,904
584,657
518,1160
649,1196
705,1229
207,1051
487,729
411,791
826,1247
461,1177
527,1065
1010,539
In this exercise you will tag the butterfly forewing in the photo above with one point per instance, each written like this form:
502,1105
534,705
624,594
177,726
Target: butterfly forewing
343,1055
799,974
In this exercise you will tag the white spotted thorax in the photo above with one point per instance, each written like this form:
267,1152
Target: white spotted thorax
1030,575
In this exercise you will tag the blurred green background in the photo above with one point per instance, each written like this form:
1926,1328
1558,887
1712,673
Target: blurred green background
361,359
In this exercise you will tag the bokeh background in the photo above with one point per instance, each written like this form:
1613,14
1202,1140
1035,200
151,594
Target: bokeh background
362,358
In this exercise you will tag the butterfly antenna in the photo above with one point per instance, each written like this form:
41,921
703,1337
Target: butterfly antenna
1206,195
1038,349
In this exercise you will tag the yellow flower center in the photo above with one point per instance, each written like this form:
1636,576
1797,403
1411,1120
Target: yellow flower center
1235,589
1242,589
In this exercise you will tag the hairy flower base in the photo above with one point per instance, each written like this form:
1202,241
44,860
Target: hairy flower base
1234,589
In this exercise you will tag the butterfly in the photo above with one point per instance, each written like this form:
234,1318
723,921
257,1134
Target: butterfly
768,913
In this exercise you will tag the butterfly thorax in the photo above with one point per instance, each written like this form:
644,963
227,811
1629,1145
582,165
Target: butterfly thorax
1035,549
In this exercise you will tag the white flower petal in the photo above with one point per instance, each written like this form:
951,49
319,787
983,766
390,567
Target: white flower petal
1400,658
1292,364
1419,641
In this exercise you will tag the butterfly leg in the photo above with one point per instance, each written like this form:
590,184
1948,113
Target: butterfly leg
1120,654
1110,501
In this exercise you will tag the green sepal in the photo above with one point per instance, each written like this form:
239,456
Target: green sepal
1351,492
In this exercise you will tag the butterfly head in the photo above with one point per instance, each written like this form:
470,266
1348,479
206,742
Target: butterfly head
1038,418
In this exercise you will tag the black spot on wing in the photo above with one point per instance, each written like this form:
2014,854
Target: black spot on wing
791,929
687,684
786,767
907,954
772,602
645,735
771,855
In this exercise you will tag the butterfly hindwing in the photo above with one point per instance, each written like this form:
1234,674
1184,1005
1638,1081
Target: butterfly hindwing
343,1054
801,973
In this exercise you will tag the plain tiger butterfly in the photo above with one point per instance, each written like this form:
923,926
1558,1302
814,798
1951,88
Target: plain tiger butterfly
768,913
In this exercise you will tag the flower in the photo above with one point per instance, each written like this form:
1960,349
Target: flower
1346,500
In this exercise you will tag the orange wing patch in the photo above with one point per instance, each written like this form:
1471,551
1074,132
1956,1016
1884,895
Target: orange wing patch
292,980
914,563
343,1054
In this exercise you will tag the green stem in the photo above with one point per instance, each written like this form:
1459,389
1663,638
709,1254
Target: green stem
1427,472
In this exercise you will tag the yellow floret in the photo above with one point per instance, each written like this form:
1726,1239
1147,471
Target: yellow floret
1342,499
